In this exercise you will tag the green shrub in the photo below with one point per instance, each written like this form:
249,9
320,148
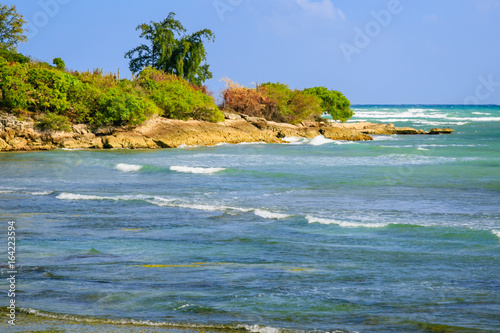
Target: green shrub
11,56
273,101
333,102
97,99
59,63
54,122
177,98
291,106
13,86
117,107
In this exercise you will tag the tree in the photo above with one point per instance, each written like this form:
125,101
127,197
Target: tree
11,28
59,63
333,102
171,51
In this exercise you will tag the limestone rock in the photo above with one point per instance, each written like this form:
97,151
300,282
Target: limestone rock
80,129
335,133
19,143
404,131
231,116
168,133
110,141
130,140
4,145
74,144
97,143
433,131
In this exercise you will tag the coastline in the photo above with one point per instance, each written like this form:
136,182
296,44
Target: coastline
157,133
30,320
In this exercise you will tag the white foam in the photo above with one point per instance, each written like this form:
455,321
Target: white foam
179,203
128,167
259,329
295,140
73,196
420,148
185,146
337,142
317,141
40,193
479,119
208,208
385,137
252,143
496,233
270,215
186,169
345,224
320,140
183,326
387,114
418,115
440,123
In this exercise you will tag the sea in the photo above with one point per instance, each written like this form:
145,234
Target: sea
398,234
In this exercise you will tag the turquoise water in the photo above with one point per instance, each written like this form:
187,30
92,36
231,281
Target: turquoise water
392,235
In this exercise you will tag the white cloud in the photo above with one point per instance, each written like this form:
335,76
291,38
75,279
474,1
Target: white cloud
323,8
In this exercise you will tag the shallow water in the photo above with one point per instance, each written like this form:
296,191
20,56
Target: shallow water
397,234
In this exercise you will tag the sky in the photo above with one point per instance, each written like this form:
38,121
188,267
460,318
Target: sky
373,51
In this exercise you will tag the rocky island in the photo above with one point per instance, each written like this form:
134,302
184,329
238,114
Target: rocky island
159,132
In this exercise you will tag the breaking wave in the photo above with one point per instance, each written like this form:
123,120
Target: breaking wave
196,170
128,167
176,203
345,224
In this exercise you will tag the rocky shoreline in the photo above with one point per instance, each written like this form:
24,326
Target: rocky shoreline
16,135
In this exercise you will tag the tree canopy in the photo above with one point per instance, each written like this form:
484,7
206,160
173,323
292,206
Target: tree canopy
333,102
169,50
11,28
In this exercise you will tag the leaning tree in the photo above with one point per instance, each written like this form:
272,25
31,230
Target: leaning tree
169,50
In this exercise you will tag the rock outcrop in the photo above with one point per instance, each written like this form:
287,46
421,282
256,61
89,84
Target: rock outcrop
16,135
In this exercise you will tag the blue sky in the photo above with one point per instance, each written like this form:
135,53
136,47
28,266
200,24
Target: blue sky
375,52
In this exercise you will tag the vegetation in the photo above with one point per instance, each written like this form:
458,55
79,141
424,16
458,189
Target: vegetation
168,82
172,52
177,97
333,102
54,122
11,28
59,63
277,102
51,94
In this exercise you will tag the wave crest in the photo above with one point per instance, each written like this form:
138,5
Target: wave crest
345,224
128,167
196,170
270,215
